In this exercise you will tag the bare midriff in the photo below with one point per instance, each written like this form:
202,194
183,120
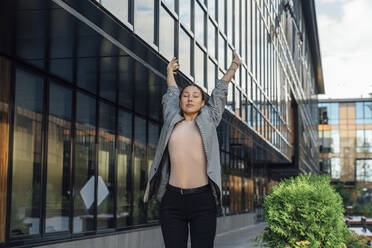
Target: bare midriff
187,156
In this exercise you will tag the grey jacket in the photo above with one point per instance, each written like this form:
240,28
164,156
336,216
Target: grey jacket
207,120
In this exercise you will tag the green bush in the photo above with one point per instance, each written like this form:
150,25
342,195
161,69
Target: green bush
363,209
304,212
346,196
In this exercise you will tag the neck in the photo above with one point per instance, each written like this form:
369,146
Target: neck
190,117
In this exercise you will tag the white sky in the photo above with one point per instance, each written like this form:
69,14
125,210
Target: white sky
345,34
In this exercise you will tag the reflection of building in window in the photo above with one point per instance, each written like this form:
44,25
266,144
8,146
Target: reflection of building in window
363,140
335,168
364,170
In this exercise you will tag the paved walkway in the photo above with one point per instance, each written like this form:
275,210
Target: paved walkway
240,238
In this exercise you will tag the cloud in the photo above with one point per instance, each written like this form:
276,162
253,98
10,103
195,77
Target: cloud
346,48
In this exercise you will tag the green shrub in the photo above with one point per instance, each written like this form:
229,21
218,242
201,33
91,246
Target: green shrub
363,209
346,196
304,212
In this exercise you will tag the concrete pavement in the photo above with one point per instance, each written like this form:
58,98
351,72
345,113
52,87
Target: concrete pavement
239,238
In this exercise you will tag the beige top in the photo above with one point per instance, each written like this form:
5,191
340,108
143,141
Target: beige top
187,156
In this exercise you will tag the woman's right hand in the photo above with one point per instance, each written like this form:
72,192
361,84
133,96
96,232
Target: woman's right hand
172,66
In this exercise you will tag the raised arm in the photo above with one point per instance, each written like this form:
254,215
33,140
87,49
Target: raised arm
170,98
218,98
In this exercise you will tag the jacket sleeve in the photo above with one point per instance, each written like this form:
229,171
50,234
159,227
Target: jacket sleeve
217,101
170,101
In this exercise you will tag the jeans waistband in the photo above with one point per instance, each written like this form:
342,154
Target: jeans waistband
183,191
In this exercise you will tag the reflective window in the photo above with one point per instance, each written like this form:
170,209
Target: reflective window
141,81
212,8
237,26
335,168
221,15
125,75
155,95
364,170
211,39
84,169
221,51
5,80
123,159
243,27
364,141
107,80
87,74
139,170
27,155
59,157
199,23
169,3
199,66
230,21
144,19
185,13
184,52
230,98
118,8
166,34
363,112
106,166
153,133
229,57
211,76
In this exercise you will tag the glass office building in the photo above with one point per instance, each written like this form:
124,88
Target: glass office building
80,106
345,137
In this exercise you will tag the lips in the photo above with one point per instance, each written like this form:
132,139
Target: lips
189,105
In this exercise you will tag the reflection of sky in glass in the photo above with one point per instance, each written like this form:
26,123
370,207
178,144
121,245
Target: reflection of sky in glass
211,76
229,20
244,79
166,34
244,43
185,12
144,19
237,25
211,39
212,8
184,52
221,15
199,23
199,66
229,57
118,8
221,51
169,3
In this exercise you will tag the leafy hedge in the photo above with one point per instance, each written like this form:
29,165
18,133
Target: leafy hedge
304,212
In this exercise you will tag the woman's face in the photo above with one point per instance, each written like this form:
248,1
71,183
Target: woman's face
191,100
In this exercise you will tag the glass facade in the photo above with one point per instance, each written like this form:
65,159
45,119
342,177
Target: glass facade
345,137
80,114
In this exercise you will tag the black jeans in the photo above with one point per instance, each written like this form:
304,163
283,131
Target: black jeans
178,210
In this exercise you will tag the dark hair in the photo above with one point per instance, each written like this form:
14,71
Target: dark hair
197,86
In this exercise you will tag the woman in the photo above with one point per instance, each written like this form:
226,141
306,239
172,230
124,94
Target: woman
185,175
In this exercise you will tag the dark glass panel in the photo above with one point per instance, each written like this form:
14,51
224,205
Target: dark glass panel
123,160
106,167
141,88
108,78
27,155
126,70
85,163
139,170
59,157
